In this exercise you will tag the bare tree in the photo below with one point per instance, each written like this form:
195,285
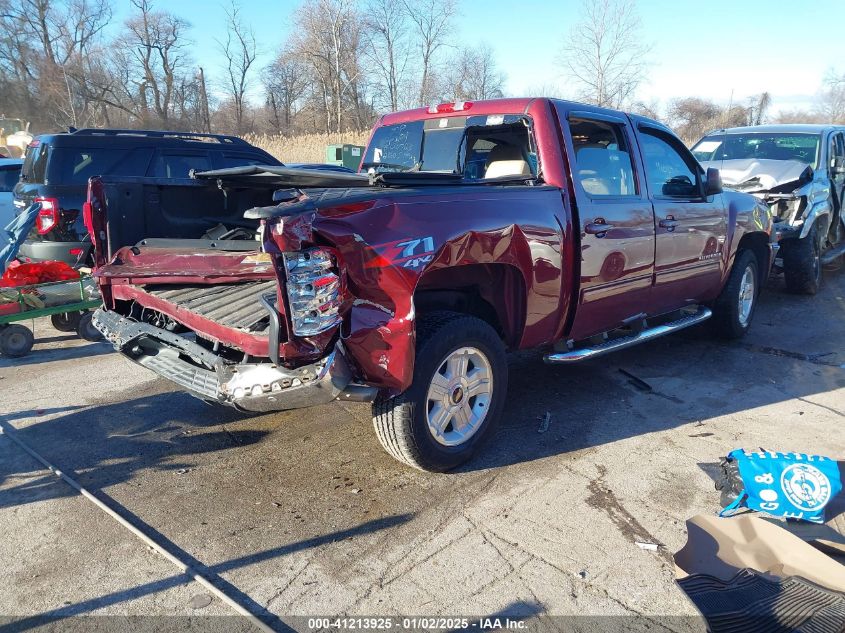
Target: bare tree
830,104
388,49
285,84
797,116
650,109
475,75
328,39
758,105
604,52
151,62
692,117
433,24
46,48
239,51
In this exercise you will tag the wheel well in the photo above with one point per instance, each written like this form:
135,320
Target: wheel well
494,293
757,243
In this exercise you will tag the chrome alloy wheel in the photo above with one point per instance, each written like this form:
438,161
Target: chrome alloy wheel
459,396
747,295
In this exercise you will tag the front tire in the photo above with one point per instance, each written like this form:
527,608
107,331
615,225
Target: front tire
802,264
455,399
734,309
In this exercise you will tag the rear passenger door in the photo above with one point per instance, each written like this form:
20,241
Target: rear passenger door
691,228
616,223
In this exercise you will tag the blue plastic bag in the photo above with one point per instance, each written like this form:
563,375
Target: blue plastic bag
791,485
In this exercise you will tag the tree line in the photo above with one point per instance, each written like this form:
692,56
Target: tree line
64,63
68,63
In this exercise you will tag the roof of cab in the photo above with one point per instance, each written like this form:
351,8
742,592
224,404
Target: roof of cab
505,106
116,137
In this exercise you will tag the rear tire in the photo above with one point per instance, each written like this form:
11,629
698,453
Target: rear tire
86,330
16,340
455,399
66,321
802,264
734,309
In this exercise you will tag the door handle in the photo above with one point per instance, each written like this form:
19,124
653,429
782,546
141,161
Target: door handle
669,223
599,227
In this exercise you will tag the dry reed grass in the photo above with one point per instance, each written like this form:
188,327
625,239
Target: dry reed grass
304,148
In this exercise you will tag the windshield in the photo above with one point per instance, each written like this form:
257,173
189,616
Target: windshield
455,144
798,147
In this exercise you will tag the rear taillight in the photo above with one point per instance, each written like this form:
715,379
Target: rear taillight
313,288
48,217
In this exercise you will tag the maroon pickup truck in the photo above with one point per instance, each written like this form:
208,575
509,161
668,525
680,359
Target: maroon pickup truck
472,229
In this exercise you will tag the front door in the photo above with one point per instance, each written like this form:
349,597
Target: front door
691,228
836,159
616,224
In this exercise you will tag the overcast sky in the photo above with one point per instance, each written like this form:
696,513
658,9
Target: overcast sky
706,48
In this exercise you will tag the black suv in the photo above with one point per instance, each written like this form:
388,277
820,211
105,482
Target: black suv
57,167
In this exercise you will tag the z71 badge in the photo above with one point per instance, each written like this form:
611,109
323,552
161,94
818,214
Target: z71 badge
407,253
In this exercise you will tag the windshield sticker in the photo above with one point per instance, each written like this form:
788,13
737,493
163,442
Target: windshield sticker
407,253
444,123
377,155
708,146
495,119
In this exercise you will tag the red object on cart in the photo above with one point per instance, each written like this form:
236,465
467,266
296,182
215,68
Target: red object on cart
37,273
9,308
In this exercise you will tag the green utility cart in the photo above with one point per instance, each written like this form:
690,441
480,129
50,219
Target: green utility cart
67,303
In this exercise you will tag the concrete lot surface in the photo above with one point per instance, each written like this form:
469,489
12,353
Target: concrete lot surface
302,513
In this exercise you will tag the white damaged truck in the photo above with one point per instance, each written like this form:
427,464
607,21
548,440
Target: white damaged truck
799,172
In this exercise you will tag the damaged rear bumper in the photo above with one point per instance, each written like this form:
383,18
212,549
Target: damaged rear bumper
255,387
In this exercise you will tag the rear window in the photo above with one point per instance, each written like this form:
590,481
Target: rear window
466,144
9,176
74,166
35,162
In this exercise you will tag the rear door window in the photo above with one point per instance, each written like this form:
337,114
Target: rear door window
179,164
603,162
74,166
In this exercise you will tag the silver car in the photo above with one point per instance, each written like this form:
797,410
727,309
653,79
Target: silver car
799,171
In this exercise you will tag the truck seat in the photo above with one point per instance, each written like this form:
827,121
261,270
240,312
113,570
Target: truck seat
605,172
506,160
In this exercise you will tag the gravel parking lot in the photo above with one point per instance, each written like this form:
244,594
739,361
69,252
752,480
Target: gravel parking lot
301,513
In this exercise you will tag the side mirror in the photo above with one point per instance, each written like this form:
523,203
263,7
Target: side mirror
712,182
838,166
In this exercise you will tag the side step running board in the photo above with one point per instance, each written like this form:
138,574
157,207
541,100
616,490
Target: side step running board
613,345
833,253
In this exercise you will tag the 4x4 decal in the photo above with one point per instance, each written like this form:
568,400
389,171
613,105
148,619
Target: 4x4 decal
407,253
